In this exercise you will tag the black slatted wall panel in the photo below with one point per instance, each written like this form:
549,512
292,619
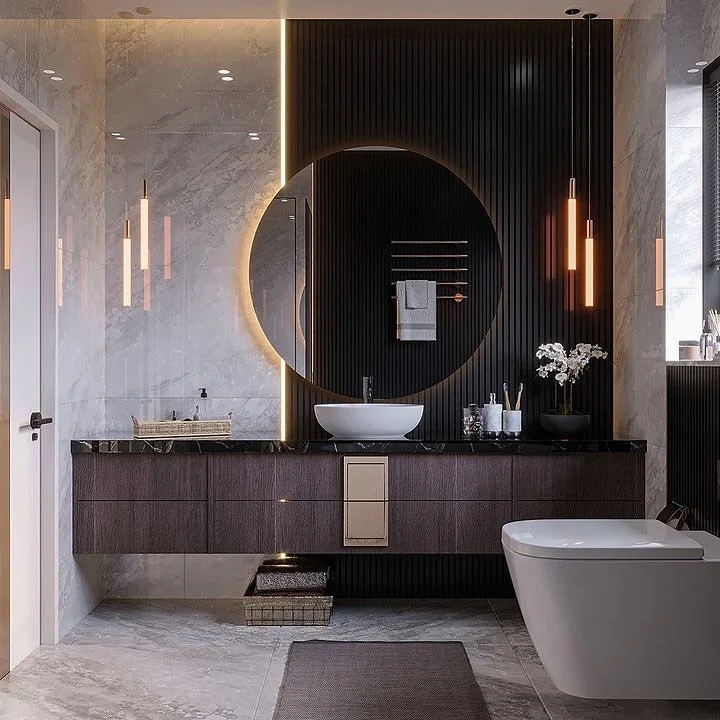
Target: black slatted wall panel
363,201
489,100
693,437
421,576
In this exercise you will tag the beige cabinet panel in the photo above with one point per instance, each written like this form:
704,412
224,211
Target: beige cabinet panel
365,501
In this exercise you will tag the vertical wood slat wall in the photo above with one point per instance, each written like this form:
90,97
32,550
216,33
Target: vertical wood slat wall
491,101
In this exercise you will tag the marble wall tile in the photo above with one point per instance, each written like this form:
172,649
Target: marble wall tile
75,49
81,589
220,576
181,60
639,395
144,576
12,68
639,77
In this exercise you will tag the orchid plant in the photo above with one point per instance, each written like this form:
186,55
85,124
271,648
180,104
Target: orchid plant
566,367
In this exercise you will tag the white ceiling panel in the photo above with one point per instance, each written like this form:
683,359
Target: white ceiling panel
357,9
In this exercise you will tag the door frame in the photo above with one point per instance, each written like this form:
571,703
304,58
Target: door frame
49,560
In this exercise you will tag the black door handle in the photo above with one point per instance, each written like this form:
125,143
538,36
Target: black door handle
37,420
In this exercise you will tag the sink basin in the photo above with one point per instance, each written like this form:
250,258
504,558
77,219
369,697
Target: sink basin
371,421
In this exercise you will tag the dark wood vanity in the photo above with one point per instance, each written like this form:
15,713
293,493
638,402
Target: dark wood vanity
133,496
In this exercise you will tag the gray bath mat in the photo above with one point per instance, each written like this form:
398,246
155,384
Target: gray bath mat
379,681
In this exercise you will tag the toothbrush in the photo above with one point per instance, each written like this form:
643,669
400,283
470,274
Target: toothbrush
517,402
507,397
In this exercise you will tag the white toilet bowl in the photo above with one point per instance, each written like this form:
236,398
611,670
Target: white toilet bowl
620,608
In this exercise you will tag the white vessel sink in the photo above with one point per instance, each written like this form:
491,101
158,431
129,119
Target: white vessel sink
369,421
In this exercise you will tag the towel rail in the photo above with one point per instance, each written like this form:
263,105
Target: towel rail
429,270
452,284
463,255
456,298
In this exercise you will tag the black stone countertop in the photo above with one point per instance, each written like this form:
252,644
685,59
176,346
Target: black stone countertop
521,446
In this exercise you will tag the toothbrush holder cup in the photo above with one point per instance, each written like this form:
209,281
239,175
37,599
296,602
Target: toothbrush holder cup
512,422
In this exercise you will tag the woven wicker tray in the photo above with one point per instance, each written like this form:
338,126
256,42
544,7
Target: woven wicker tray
155,429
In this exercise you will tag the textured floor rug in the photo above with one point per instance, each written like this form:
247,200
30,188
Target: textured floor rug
379,681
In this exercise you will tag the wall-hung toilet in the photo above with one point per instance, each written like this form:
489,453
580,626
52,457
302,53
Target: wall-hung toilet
620,608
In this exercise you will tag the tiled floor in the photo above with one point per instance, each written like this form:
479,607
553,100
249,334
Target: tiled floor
196,660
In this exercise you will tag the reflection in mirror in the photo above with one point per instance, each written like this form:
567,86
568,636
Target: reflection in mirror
331,248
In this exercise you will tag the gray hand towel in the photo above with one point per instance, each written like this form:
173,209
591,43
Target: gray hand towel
418,324
416,294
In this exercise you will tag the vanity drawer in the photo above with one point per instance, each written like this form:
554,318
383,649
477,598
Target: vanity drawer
242,477
140,477
580,477
140,527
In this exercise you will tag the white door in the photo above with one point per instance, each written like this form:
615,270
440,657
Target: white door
24,389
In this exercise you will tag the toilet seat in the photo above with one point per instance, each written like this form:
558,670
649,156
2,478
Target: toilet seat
600,540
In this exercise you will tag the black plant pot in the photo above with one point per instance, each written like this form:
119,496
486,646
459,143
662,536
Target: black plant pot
564,426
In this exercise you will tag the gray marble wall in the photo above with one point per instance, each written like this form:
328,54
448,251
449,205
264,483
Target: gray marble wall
693,35
36,36
188,133
639,202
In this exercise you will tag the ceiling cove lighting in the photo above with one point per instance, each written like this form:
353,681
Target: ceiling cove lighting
283,148
144,228
127,263
590,231
572,197
660,268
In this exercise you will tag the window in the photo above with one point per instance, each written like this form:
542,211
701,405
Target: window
711,185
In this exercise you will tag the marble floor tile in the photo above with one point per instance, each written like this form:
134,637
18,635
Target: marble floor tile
196,660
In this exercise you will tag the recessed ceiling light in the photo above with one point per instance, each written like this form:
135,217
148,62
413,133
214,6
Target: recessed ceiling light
120,137
702,63
227,78
692,71
125,15
142,10
49,72
291,217
573,11
116,134
56,78
223,71
590,16
283,199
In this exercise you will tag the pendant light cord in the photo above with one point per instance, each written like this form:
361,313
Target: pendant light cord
572,97
589,92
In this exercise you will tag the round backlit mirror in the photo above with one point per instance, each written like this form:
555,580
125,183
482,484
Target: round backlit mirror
331,249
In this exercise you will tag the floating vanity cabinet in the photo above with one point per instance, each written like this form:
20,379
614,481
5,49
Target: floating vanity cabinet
365,506
269,497
140,504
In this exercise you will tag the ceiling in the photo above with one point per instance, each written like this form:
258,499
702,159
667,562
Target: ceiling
356,9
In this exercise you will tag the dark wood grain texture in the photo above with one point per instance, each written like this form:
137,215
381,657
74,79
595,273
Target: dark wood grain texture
580,477
298,479
421,478
483,478
479,525
140,526
421,526
533,510
305,526
242,477
243,526
140,477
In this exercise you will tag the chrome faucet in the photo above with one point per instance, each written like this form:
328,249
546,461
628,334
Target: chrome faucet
368,393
